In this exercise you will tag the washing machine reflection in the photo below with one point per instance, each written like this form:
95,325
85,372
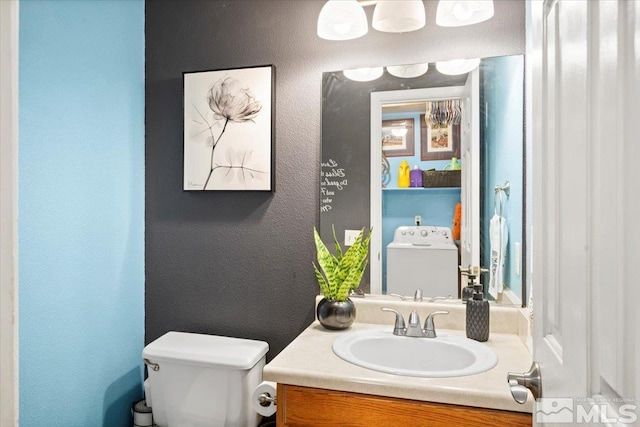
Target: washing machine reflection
422,257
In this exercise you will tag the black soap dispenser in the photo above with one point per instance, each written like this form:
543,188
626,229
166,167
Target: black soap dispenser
478,316
467,291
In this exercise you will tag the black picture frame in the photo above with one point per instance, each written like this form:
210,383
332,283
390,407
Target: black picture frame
229,129
428,151
396,145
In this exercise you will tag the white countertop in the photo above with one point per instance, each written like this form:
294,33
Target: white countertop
309,361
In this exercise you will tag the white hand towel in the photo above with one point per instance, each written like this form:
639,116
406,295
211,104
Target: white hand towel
498,238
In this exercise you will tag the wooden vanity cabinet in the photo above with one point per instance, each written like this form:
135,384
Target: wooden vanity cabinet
314,407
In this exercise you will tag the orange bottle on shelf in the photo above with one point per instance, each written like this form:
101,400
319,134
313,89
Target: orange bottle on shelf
456,221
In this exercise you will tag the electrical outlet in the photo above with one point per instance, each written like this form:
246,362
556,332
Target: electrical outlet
350,237
418,220
518,260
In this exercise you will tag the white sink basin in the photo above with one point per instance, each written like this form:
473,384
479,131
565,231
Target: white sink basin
444,356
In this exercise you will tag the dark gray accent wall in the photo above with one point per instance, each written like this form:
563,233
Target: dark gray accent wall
239,264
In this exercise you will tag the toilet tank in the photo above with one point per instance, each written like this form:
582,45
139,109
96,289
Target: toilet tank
203,380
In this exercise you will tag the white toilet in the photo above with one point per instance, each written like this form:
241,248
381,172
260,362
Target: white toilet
198,380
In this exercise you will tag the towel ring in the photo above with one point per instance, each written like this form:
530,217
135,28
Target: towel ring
499,190
506,188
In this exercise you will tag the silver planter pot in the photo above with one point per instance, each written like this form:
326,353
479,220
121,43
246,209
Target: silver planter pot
336,315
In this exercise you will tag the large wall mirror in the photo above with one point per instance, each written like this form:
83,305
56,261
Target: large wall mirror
372,130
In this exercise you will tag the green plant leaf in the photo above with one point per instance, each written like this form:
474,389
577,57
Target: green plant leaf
327,262
349,260
324,287
363,247
338,247
337,275
355,275
342,294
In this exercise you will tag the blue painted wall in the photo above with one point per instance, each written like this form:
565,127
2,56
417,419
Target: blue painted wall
502,138
81,208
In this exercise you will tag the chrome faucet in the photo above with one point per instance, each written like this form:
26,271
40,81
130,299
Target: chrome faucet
414,329
417,296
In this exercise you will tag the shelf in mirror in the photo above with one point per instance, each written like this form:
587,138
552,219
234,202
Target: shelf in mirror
422,189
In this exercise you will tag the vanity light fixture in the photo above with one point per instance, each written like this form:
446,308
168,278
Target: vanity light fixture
408,71
398,16
346,19
456,13
363,74
342,20
457,66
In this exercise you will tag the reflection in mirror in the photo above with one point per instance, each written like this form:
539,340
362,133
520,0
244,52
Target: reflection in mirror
411,195
348,162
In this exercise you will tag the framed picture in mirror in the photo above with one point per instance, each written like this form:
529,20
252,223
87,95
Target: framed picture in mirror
398,137
438,143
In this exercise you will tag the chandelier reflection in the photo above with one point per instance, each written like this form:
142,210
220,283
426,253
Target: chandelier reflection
443,113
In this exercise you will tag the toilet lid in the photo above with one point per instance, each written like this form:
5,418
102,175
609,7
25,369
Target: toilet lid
208,350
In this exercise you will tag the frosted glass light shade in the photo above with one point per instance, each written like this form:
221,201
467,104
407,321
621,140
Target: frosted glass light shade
456,13
457,66
408,71
400,131
363,74
398,16
342,20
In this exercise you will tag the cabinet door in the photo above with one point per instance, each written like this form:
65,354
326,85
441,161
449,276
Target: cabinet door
312,407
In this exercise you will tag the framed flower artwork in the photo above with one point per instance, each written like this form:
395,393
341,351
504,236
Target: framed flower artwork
438,143
228,129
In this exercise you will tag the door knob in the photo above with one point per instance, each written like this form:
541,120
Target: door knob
518,392
527,381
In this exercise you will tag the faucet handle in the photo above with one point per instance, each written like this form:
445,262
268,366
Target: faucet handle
402,297
434,299
429,327
399,328
418,295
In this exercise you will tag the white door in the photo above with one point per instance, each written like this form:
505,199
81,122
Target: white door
470,158
586,237
8,212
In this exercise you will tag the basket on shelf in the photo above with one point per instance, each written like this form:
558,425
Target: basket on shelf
432,178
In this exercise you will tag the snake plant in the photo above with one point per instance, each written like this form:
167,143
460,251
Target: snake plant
338,274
